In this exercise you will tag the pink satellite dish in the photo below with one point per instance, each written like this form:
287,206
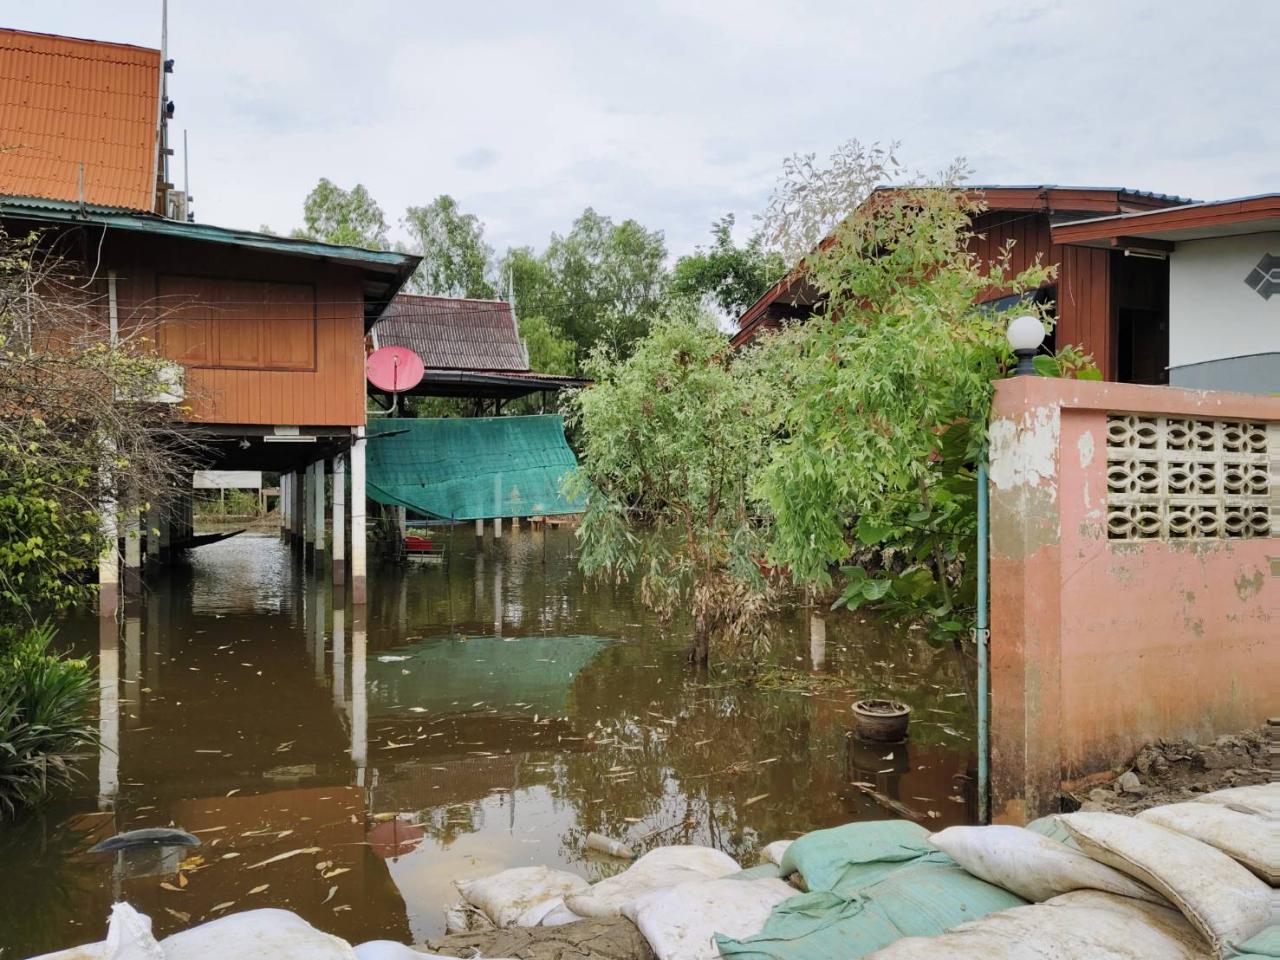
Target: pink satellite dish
394,369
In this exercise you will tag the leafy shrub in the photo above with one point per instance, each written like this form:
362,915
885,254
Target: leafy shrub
44,700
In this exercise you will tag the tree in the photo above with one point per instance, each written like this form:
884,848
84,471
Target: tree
78,426
602,283
348,217
549,352
728,276
888,400
455,258
668,444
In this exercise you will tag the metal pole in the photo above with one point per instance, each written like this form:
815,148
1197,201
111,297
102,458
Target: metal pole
982,637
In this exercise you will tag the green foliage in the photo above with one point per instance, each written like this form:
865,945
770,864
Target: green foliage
455,258
1069,362
601,284
731,277
549,352
668,446
889,396
349,217
44,699
49,531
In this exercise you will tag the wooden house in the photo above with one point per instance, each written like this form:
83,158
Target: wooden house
1105,303
268,332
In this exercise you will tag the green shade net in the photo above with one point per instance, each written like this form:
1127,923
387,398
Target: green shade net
472,469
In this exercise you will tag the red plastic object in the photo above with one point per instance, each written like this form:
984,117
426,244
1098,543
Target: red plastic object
394,369
414,544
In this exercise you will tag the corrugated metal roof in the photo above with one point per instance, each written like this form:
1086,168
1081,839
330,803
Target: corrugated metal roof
454,334
65,103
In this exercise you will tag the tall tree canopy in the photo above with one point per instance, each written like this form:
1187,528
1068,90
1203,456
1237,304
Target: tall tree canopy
601,283
349,217
456,261
724,274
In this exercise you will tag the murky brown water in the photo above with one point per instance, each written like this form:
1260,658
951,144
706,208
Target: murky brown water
494,703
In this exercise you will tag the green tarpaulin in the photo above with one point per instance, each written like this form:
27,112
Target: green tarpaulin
472,469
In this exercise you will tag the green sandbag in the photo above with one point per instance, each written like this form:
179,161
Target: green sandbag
842,859
1262,946
920,899
1054,829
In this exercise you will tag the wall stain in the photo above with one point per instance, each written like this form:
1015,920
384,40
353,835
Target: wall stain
1249,587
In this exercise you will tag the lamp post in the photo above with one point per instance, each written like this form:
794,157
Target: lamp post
1025,335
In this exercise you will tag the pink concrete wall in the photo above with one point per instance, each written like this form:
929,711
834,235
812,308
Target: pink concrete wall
1099,646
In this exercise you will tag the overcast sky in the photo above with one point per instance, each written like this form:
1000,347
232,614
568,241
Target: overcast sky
675,112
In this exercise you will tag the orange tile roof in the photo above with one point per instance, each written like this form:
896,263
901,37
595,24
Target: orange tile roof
66,102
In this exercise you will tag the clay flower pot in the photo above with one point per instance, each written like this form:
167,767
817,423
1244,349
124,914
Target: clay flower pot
881,720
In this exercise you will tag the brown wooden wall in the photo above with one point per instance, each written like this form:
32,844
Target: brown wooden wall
1085,316
266,338
1029,232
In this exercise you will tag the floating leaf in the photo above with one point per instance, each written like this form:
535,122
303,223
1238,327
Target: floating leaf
180,915
282,856
260,887
166,885
758,797
333,873
222,906
329,896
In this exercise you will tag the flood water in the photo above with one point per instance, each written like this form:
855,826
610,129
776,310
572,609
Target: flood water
478,714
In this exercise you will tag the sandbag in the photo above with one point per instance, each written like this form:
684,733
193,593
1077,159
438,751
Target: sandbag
559,915
1263,798
1085,925
773,852
390,950
1252,840
1264,946
520,896
761,871
922,898
462,917
129,937
1054,829
844,858
1033,866
659,869
1222,899
681,922
256,935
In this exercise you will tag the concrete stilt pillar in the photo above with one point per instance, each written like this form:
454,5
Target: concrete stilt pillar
359,699
357,524
283,503
109,561
339,519
317,508
132,550
515,524
479,529
339,652
295,508
152,534
308,521
497,528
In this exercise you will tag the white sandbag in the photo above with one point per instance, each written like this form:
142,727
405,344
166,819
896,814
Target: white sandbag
504,897
772,853
1222,899
129,937
390,950
1033,866
1085,925
1250,839
681,922
659,869
256,935
536,916
1263,798
462,917
559,916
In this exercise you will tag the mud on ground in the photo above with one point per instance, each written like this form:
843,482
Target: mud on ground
1170,771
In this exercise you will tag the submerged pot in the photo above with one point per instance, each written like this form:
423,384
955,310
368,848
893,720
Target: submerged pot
881,720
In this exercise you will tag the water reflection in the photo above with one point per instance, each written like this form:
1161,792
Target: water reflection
351,762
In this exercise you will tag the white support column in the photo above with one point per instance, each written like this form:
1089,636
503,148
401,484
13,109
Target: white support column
108,713
339,519
109,561
357,527
296,513
317,507
308,521
339,652
284,505
132,550
359,699
479,529
497,528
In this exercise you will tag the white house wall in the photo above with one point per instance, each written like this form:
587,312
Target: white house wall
1223,333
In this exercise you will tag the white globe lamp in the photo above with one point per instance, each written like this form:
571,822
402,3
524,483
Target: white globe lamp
1025,335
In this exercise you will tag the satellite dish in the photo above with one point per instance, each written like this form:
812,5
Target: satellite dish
394,369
